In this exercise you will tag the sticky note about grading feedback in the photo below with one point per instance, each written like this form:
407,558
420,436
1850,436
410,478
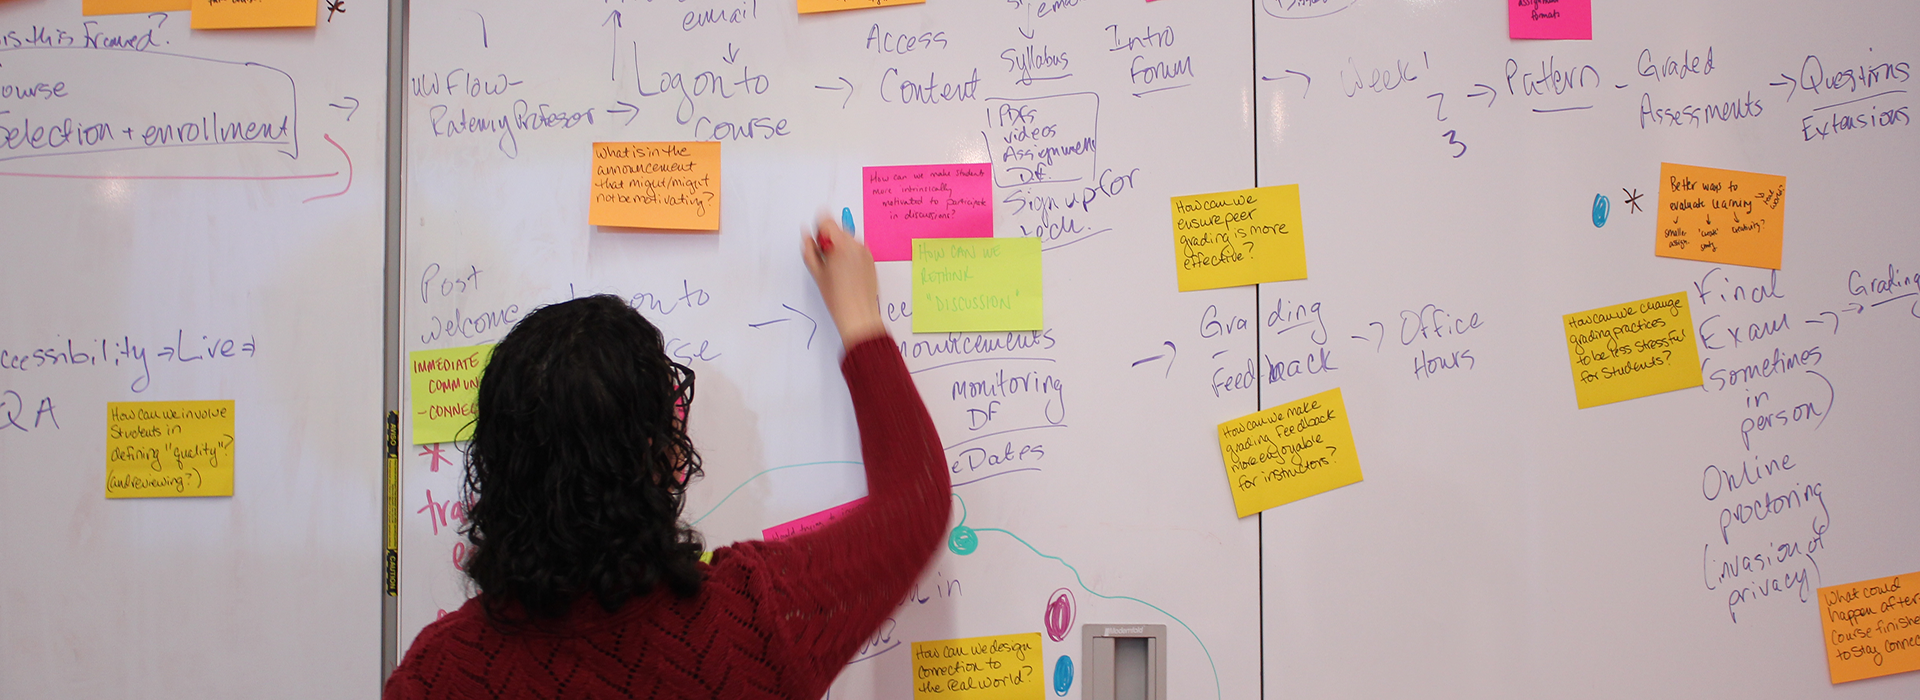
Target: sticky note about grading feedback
1289,452
1229,239
976,284
1872,627
662,185
446,386
1720,216
1001,667
254,14
1550,19
905,202
164,449
812,6
1632,350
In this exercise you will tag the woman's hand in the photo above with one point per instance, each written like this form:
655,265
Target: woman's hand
843,269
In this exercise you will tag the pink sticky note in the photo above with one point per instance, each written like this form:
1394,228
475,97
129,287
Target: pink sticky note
1550,19
810,523
904,202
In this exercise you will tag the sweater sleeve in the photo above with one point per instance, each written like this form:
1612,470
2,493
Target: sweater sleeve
830,589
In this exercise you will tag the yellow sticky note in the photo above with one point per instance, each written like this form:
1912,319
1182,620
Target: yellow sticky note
812,6
446,385
165,449
1289,452
254,14
1229,239
122,7
1632,350
1872,627
999,667
1721,216
665,184
976,284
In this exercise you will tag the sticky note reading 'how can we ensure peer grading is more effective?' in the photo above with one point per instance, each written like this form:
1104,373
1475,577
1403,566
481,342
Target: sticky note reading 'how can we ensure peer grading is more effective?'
1289,452
661,185
999,667
1632,350
1229,239
908,202
254,14
445,390
1872,627
976,284
1720,216
164,449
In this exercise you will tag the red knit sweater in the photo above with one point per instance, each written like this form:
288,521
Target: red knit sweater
771,620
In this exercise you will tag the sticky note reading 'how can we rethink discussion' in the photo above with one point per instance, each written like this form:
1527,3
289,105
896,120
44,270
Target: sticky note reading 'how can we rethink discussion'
668,184
1720,216
976,284
1229,239
812,6
123,7
446,387
163,449
254,14
1000,667
1632,350
1872,627
1289,452
1549,19
906,202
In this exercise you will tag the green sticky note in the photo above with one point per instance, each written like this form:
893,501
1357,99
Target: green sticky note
446,385
976,284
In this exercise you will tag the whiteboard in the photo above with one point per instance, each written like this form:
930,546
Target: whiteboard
1103,488
191,216
1504,543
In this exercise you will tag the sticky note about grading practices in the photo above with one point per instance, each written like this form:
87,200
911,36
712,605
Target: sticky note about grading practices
906,202
123,7
1289,452
446,385
809,523
669,184
1000,667
254,14
165,449
1632,350
976,284
812,6
1550,19
1720,216
1230,239
1872,627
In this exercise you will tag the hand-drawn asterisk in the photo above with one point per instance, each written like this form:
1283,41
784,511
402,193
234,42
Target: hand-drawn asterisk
438,453
1633,200
335,6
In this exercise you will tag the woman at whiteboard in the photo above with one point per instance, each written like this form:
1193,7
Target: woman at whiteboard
589,583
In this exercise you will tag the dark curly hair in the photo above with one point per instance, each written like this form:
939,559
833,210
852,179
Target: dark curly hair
579,464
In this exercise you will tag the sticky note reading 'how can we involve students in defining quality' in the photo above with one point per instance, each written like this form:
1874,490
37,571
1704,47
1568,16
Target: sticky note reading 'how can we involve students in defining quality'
1549,19
812,6
1632,350
1229,239
446,386
976,284
163,449
1289,452
1000,667
1872,627
123,7
254,14
669,184
905,202
1720,216
810,523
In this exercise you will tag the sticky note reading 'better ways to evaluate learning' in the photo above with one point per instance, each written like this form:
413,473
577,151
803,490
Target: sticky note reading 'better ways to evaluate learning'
162,449
1872,627
446,386
976,284
1632,350
1289,452
668,185
1549,19
1229,239
1720,216
254,14
905,202
1000,667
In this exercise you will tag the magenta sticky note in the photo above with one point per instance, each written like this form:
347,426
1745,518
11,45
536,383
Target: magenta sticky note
1550,19
810,523
904,202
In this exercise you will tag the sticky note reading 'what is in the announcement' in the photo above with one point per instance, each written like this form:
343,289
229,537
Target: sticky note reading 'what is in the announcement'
162,449
1632,350
669,184
812,6
1002,667
809,523
1229,239
123,7
1289,452
1872,627
1721,216
1550,19
254,14
446,386
906,202
976,284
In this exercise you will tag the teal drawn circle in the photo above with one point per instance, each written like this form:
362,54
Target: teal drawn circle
1062,675
962,540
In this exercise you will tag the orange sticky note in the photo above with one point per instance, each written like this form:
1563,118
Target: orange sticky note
1720,216
664,184
1872,627
123,7
812,6
254,14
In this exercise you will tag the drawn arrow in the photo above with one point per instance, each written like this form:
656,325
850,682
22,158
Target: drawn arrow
1170,357
731,54
483,27
1294,73
1025,32
810,333
627,108
613,66
848,88
1709,219
355,107
1492,94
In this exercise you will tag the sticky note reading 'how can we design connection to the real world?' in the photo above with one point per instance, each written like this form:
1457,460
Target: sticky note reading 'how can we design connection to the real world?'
1000,667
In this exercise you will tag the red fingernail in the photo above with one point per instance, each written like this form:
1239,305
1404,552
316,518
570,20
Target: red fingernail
825,243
